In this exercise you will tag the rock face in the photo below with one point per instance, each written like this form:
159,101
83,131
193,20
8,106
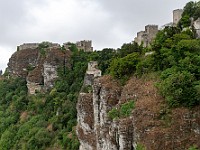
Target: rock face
95,129
197,27
85,117
151,124
38,66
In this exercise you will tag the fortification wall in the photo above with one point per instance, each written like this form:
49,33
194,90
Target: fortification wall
28,46
147,36
85,45
92,69
35,45
177,15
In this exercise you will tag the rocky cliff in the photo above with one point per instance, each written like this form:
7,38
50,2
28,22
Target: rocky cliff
151,123
38,65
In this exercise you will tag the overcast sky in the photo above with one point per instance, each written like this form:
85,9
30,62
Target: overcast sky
108,23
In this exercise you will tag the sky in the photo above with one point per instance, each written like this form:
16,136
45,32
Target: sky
108,23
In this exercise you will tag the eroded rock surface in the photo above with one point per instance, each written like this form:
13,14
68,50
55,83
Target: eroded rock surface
101,132
38,66
151,123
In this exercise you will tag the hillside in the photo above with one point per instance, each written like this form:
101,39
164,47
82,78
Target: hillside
152,124
132,98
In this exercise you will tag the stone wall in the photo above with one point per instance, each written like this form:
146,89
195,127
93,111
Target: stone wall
85,45
35,45
146,37
177,15
140,37
92,69
28,46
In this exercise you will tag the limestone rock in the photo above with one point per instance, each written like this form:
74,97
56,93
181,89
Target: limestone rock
95,129
197,27
151,123
38,66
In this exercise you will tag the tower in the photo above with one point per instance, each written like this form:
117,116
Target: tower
177,14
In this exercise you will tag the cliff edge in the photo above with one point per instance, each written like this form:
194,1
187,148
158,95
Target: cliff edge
38,65
151,124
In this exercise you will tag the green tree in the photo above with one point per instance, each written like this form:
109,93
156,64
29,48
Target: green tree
121,67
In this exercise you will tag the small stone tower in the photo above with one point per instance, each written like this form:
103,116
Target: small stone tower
177,15
85,45
91,73
92,69
151,31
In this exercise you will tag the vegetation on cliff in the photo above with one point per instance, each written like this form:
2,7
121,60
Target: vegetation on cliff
47,121
191,10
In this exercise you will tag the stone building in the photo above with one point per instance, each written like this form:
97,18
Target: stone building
91,73
92,69
177,14
85,45
147,36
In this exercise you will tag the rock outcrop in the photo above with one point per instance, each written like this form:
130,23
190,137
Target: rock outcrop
95,129
38,65
151,124
197,27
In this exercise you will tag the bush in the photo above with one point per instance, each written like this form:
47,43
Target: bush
193,148
140,147
121,67
178,87
123,111
126,109
113,114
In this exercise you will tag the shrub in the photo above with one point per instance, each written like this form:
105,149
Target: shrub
121,67
193,148
178,87
126,109
113,114
123,111
140,147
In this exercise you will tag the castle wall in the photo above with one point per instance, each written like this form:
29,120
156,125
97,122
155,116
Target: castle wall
86,46
177,14
92,69
28,46
151,30
139,37
35,45
147,36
